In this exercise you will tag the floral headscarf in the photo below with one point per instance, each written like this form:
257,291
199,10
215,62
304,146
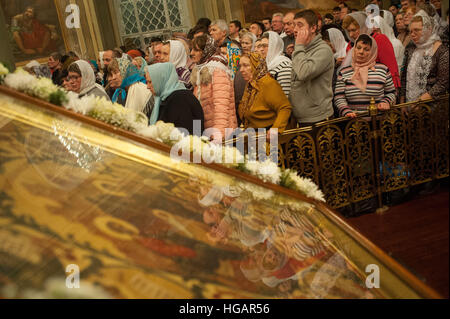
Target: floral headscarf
143,65
211,52
130,75
361,68
259,70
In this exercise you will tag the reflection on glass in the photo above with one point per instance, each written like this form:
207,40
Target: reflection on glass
141,226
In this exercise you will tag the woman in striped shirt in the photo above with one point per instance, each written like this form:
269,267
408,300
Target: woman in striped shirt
364,79
279,66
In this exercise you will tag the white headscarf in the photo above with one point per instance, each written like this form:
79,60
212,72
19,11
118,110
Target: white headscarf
338,41
87,78
102,64
360,18
399,49
389,18
275,54
420,63
178,56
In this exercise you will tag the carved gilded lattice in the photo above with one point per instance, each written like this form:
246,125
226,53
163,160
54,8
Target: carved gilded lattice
394,156
421,147
331,155
301,156
360,160
441,121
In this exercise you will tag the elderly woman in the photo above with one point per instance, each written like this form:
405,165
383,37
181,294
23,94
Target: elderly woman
248,41
82,80
264,104
173,51
219,32
173,102
426,64
130,89
279,66
213,86
363,80
355,25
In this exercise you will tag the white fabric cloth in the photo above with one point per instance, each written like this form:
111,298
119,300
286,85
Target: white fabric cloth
389,18
421,59
100,54
399,49
275,54
178,56
87,78
338,41
138,96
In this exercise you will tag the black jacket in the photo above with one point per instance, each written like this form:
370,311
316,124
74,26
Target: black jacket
182,108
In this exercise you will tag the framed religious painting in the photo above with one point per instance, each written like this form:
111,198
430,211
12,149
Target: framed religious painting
257,10
35,29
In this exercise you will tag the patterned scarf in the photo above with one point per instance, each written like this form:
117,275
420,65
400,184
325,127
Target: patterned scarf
211,52
259,70
130,75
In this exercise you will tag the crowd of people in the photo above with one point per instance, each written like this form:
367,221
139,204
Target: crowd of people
288,70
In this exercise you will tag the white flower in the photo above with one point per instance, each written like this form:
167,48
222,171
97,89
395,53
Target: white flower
307,187
3,70
165,130
232,156
150,132
20,80
42,88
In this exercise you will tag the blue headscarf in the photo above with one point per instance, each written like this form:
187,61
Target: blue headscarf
130,75
165,81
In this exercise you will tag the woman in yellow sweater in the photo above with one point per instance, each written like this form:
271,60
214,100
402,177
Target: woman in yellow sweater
264,104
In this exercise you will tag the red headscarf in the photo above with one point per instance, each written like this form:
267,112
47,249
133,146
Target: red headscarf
134,53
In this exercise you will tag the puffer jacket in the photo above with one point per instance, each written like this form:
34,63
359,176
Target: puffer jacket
216,95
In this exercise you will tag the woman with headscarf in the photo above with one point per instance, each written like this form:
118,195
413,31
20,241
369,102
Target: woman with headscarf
339,44
213,86
426,63
363,80
173,102
178,57
264,104
82,80
130,89
355,25
140,63
384,28
279,66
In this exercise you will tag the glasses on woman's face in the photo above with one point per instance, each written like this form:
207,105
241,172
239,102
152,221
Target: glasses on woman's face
73,78
262,46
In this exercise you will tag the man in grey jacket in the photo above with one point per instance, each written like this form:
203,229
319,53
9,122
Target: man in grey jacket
311,94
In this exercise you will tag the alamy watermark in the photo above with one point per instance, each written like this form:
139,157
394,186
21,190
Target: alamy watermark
73,19
373,279
73,276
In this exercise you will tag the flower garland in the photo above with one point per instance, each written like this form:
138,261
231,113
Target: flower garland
117,115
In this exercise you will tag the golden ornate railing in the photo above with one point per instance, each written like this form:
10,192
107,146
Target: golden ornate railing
361,159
